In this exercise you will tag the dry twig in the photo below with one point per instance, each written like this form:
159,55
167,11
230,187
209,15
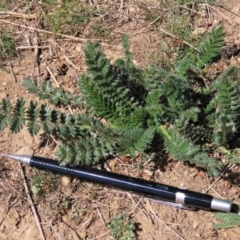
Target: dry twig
151,23
100,215
105,234
19,15
56,34
122,4
154,213
68,60
173,36
136,203
217,179
6,208
32,47
31,203
215,9
13,75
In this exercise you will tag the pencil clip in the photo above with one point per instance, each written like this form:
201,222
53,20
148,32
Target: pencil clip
176,205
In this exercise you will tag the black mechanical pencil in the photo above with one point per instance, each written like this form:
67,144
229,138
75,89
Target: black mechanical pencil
179,197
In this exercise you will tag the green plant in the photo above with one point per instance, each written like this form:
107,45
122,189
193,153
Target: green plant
7,4
122,227
100,30
68,16
128,110
229,220
43,183
74,214
7,45
60,206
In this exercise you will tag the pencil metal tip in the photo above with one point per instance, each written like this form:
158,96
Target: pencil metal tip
19,158
4,155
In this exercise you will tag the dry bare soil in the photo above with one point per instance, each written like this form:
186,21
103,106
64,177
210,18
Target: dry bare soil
72,209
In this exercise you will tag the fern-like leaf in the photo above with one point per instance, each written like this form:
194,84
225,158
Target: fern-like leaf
56,96
45,117
126,48
224,108
135,140
229,220
18,118
102,89
185,63
85,151
32,117
31,85
63,154
145,140
5,113
182,149
210,48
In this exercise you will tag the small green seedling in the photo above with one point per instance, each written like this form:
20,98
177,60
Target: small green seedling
7,45
122,227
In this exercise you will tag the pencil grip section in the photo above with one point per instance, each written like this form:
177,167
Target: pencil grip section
201,200
198,200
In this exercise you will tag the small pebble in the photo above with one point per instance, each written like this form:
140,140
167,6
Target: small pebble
65,181
195,224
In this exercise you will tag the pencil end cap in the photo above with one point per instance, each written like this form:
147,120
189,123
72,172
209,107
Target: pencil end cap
221,205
